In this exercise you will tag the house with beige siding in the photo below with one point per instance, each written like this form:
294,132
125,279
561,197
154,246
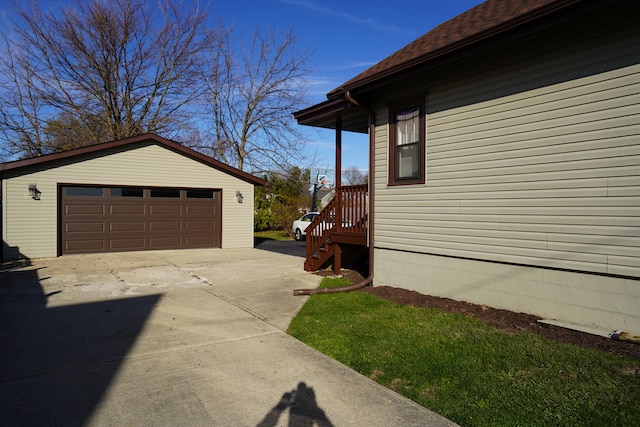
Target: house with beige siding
504,150
140,193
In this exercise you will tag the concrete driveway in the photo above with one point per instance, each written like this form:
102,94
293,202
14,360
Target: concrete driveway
175,338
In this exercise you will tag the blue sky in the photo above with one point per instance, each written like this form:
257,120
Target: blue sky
344,37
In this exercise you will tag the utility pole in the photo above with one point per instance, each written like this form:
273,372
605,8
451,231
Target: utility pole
317,185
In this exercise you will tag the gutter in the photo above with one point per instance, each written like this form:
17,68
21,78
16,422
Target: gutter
1,218
370,228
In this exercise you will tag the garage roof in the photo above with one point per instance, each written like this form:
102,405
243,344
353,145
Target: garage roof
136,140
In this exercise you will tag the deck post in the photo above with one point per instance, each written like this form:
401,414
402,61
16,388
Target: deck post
337,258
337,253
338,177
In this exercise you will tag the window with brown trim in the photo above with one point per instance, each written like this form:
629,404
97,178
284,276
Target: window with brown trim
407,142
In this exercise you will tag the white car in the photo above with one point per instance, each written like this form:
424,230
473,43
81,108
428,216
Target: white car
300,225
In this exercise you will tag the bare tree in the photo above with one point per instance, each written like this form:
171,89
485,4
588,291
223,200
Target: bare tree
251,96
100,70
354,176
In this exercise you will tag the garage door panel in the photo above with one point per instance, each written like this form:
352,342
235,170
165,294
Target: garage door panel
85,227
200,210
127,210
165,242
118,223
165,226
200,242
127,227
82,246
165,210
84,209
200,226
126,244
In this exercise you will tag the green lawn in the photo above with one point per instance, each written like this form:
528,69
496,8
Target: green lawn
272,235
468,371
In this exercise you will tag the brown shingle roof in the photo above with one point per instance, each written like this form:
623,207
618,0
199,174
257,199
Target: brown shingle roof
484,20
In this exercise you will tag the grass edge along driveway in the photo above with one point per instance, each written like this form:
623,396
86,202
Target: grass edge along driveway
467,371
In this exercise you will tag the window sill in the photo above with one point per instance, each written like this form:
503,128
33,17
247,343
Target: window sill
405,183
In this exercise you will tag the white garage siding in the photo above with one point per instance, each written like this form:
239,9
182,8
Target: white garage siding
542,171
30,226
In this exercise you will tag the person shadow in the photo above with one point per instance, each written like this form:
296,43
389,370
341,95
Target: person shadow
303,409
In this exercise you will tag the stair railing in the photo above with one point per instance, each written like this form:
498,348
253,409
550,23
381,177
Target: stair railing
318,232
345,213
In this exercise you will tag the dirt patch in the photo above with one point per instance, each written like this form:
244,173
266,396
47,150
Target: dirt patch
504,320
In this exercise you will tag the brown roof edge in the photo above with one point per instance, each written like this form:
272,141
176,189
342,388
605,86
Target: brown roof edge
324,115
17,164
325,108
467,28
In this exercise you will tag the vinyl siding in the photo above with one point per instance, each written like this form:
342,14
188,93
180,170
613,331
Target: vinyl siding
547,175
532,164
30,226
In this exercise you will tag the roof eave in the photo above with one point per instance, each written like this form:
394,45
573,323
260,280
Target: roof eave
325,115
34,161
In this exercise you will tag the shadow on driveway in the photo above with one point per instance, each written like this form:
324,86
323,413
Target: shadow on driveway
57,362
287,247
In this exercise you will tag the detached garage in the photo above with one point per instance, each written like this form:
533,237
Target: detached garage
141,193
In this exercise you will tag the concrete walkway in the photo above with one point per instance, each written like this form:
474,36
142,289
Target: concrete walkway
174,338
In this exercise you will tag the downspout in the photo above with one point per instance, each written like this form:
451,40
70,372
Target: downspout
369,279
1,219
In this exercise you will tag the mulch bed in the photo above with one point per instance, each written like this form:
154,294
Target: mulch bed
505,320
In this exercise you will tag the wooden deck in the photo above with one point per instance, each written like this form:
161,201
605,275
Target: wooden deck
341,224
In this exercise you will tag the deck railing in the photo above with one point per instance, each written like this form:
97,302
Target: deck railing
346,214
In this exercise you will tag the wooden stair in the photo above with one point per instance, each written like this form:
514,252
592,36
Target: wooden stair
320,258
341,225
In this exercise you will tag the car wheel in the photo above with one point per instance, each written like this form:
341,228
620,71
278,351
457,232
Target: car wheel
298,235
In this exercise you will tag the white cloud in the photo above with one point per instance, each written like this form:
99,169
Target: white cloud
330,77
367,21
362,65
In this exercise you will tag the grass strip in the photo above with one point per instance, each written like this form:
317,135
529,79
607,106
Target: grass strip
272,235
467,371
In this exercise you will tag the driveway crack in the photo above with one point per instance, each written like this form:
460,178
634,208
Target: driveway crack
200,278
240,306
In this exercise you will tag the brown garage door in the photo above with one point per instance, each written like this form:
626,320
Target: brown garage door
116,219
